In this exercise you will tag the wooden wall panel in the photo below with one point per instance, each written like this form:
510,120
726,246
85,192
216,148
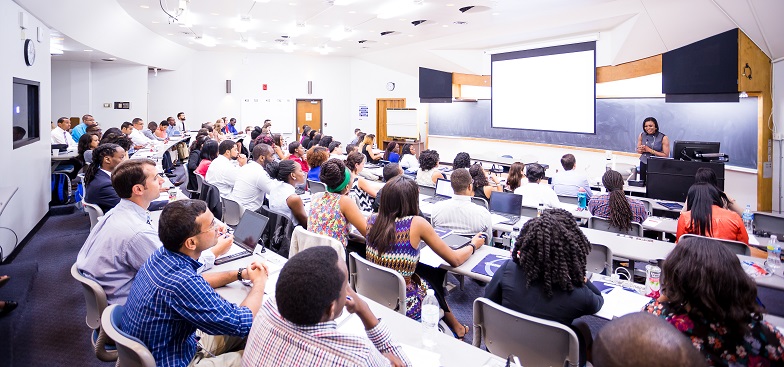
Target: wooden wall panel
632,69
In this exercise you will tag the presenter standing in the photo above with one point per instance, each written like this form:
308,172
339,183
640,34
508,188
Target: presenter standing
651,142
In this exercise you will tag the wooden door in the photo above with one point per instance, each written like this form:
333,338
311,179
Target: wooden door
381,116
308,113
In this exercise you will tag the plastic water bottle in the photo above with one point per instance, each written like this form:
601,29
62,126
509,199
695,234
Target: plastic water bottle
582,199
513,237
748,219
774,254
429,319
540,210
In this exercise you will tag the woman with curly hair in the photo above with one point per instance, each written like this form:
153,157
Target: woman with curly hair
709,298
315,157
333,210
428,173
482,187
514,178
462,160
615,206
394,241
546,276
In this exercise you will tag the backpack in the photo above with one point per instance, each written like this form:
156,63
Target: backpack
61,189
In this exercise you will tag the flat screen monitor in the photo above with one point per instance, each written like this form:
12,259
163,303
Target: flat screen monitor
506,202
691,150
670,179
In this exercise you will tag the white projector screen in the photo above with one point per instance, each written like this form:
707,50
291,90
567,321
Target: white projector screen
552,89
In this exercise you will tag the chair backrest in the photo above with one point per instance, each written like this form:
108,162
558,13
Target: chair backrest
277,236
94,211
131,351
529,211
535,341
427,190
481,202
567,199
737,248
599,259
232,212
199,182
94,297
211,195
316,186
302,239
646,202
603,224
381,284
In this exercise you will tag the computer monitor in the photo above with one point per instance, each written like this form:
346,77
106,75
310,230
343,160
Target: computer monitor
693,150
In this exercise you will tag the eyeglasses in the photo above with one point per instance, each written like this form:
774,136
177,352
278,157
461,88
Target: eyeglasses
213,226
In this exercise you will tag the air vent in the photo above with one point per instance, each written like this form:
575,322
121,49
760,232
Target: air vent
366,41
460,22
465,9
389,33
474,9
110,59
418,22
187,33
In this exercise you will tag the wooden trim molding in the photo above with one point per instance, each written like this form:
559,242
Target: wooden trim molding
632,69
471,79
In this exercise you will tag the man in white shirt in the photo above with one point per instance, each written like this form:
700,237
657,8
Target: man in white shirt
224,169
253,182
567,183
136,135
458,213
534,193
60,134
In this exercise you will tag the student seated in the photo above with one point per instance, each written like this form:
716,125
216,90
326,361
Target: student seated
615,206
706,217
393,241
533,192
708,175
622,343
224,168
283,197
209,151
458,213
706,294
335,148
366,148
253,180
428,173
409,160
298,327
390,153
462,160
391,170
85,147
514,178
98,176
569,181
169,300
315,157
362,190
297,151
333,210
545,277
279,144
482,186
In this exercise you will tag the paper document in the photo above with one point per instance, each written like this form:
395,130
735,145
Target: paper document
619,302
420,357
428,257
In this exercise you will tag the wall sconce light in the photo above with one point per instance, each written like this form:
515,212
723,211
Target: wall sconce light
228,86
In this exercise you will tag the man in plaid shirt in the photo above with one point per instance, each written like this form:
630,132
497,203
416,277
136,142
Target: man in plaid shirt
298,327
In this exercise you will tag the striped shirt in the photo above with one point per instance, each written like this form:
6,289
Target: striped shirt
600,206
169,301
276,342
461,216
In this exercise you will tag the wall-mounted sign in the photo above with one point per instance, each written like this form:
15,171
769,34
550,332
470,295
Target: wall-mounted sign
122,105
363,112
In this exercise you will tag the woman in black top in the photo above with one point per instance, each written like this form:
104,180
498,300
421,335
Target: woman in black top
482,187
193,160
546,276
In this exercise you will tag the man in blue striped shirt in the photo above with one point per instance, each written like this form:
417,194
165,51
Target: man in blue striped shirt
169,300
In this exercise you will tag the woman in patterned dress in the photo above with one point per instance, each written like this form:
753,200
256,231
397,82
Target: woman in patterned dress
362,190
709,298
333,210
393,239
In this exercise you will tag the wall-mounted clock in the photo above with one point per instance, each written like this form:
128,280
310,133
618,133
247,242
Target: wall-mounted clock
29,52
390,86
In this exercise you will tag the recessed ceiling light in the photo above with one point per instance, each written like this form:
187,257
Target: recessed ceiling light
155,22
411,35
496,14
352,12
450,4
265,32
169,34
293,4
274,20
214,14
213,27
459,22
402,19
445,25
88,50
386,43
110,59
144,6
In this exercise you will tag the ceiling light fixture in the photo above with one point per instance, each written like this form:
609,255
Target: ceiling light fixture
323,49
144,6
341,34
396,9
244,24
55,49
205,40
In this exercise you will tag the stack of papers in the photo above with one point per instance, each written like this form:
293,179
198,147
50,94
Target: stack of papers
619,302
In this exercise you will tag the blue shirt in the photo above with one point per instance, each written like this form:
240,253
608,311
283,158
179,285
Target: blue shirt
394,157
78,131
230,129
169,301
313,174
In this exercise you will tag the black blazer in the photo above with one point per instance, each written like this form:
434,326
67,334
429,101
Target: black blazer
100,192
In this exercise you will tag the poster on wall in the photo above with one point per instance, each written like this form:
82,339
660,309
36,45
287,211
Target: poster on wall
363,112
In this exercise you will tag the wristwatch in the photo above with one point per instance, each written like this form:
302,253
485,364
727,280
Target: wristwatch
239,274
473,248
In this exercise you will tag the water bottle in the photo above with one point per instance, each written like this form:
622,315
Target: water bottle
652,284
748,219
429,319
582,199
514,235
540,210
774,254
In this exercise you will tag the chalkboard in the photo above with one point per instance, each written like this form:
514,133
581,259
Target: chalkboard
618,123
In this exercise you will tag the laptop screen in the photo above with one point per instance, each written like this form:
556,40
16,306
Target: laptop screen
249,229
506,202
444,188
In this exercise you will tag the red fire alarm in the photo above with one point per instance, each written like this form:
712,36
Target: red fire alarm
264,87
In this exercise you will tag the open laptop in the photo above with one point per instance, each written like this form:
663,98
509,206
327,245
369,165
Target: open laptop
507,205
443,191
246,236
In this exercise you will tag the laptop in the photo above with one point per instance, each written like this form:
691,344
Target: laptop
443,191
455,241
507,205
246,236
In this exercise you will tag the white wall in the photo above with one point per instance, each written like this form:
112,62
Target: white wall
198,88
26,168
118,83
778,119
70,88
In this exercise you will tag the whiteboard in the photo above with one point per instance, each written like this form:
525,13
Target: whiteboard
282,112
402,123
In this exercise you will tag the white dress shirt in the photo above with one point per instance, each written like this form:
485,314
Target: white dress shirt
534,193
409,162
223,174
252,185
138,138
277,200
60,136
568,182
461,216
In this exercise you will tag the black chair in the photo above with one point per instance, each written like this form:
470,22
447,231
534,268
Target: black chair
211,196
277,234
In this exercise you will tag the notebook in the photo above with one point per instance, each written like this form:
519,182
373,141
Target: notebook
246,236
